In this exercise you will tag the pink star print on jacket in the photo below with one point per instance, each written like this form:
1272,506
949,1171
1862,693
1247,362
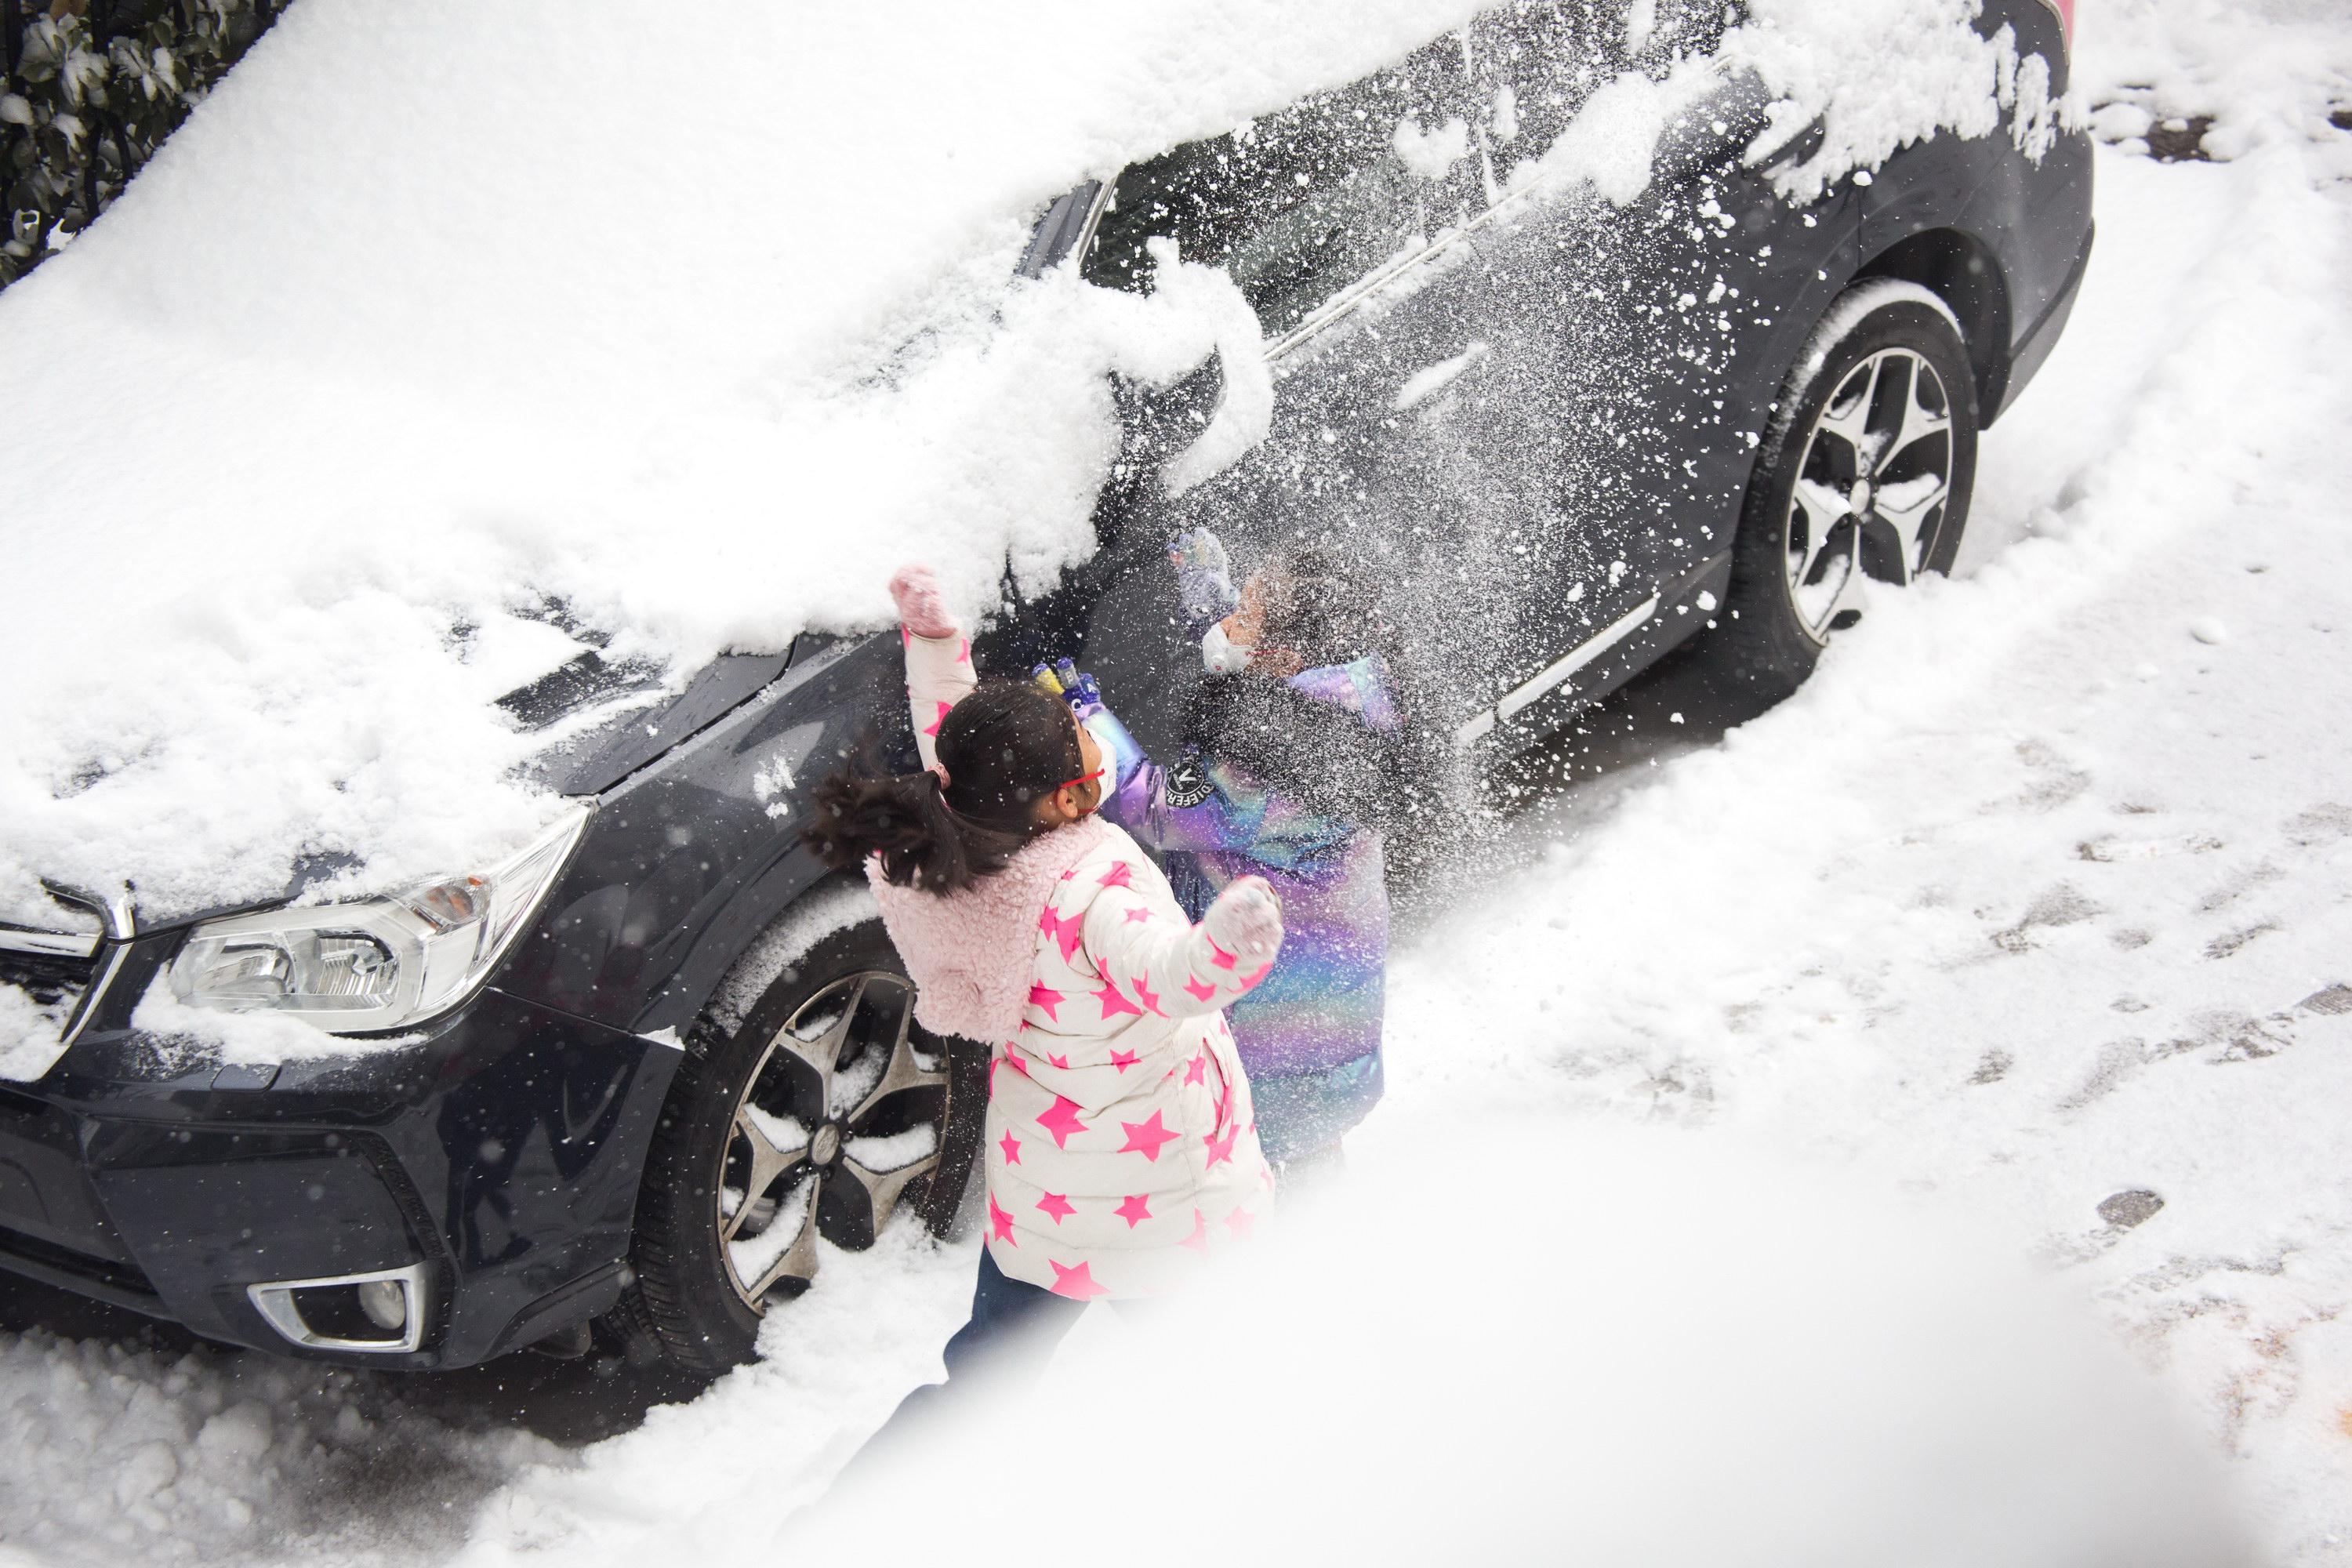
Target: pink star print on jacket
1127,1117
1145,1138
1076,1283
1061,1119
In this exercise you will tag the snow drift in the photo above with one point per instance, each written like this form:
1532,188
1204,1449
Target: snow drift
1673,1354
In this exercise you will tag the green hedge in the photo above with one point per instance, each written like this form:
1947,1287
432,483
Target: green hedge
93,89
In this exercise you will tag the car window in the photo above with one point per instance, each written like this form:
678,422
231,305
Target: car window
1299,204
1534,62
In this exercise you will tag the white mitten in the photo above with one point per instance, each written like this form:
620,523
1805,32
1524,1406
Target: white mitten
1220,655
1247,920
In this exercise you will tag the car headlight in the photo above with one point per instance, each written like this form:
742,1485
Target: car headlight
377,963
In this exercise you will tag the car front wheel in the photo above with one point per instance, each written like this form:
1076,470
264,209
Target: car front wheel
824,1113
1862,483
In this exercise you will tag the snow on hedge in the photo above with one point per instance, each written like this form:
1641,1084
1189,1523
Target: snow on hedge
694,320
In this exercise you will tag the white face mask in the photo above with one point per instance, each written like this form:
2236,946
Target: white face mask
1220,655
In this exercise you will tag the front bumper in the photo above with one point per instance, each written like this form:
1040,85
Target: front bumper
499,1153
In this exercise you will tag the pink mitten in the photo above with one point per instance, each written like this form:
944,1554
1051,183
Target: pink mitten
1247,920
922,608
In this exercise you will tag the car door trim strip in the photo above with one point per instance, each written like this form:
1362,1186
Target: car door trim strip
1557,673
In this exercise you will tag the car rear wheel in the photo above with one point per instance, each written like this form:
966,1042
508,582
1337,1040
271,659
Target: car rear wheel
826,1111
1862,484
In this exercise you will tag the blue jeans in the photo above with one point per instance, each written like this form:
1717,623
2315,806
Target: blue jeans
1013,1327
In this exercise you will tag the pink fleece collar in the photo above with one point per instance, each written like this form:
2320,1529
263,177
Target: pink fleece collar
970,952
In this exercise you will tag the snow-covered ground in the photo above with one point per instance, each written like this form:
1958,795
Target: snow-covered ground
2041,892
2038,896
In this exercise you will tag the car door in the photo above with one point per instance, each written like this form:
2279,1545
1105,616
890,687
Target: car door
1642,337
1341,218
1564,293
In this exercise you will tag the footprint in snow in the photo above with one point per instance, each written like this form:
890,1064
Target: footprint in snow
2228,1038
2111,849
2334,1002
2056,782
2058,906
2222,946
2119,1212
2323,825
2259,875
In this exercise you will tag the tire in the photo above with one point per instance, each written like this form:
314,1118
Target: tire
808,1120
1882,400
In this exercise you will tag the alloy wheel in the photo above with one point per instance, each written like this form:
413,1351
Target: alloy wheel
1871,491
842,1111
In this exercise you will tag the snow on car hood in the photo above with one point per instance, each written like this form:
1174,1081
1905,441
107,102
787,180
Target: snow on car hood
435,312
693,321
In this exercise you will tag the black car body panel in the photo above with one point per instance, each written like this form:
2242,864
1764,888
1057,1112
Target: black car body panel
1598,440
637,740
691,856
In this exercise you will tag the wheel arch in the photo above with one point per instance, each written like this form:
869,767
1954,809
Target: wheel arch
836,903
1961,271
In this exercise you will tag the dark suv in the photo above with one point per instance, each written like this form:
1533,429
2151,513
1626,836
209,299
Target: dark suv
646,1073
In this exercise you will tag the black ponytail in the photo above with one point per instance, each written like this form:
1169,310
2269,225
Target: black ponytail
1005,746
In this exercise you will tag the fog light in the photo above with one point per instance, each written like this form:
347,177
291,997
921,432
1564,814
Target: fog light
380,1312
386,1302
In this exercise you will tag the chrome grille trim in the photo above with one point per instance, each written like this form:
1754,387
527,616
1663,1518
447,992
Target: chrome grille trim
49,943
120,918
113,910
90,998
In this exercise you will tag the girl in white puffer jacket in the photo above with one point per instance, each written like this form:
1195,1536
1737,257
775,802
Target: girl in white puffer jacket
1120,1148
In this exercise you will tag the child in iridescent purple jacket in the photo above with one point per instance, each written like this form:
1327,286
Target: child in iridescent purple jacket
1282,782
